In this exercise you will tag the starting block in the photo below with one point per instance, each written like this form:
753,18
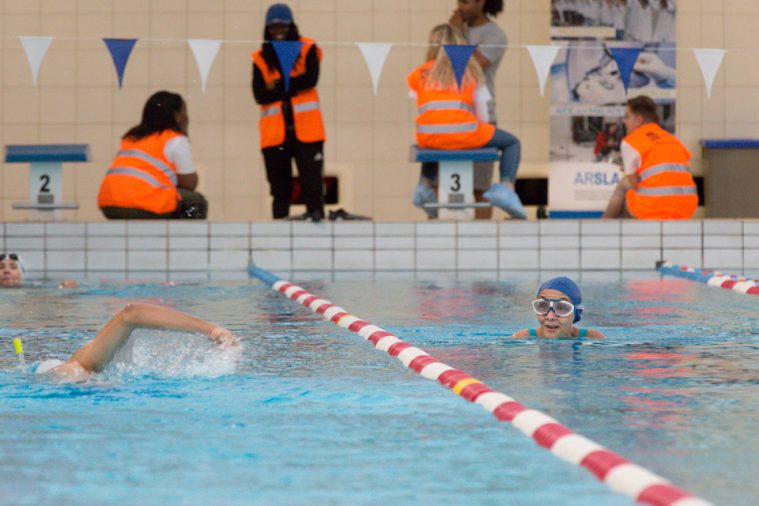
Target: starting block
46,174
455,178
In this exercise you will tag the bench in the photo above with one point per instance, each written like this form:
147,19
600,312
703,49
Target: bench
45,174
456,179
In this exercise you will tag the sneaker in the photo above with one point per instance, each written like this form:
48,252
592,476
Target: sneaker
507,199
342,214
423,194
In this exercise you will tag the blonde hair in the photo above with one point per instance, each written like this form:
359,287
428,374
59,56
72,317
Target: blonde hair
442,75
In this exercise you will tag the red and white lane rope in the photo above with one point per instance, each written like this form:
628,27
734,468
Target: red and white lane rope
712,278
618,473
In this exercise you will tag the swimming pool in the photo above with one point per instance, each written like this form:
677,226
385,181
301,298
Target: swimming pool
313,414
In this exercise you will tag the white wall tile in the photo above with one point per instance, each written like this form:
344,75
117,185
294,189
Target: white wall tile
199,242
230,229
188,228
354,260
644,259
65,229
394,229
679,227
519,242
33,260
723,241
723,259
228,275
311,242
147,228
106,260
224,260
427,260
687,257
723,227
751,258
477,228
518,228
751,227
315,260
106,243
306,228
106,276
436,243
478,260
110,228
751,241
18,244
70,261
224,242
272,259
394,242
147,243
600,241
681,241
477,242
641,241
24,229
188,260
392,260
633,227
559,227
435,229
194,276
562,242
559,259
64,243
519,259
593,259
148,276
270,242
364,228
601,227
353,242
147,261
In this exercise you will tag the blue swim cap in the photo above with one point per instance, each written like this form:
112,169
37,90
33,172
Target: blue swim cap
279,14
569,288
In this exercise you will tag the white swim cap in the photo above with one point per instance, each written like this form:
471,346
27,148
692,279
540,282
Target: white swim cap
48,365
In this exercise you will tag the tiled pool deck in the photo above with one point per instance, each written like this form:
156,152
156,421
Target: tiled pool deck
176,250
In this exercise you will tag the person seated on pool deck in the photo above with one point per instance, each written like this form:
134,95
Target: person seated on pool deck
558,307
96,354
12,272
152,176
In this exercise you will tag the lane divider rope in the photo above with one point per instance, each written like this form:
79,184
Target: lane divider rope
712,278
618,473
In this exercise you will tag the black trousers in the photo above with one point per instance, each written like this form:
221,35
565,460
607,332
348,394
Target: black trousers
192,206
309,158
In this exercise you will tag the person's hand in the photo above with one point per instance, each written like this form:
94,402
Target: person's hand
272,84
651,65
68,283
457,20
223,337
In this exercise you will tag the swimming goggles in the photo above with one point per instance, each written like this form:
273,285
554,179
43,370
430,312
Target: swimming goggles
561,308
12,256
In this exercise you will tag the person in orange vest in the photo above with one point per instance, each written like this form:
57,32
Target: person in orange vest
657,183
453,117
152,176
290,125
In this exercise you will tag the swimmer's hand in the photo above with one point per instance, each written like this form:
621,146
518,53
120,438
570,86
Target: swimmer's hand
224,338
68,283
651,65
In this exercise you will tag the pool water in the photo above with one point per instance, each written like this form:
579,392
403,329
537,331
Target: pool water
312,414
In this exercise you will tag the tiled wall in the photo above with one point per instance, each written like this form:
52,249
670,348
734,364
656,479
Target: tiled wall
77,99
175,250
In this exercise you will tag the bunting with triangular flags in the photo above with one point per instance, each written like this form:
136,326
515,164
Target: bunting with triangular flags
625,58
120,50
709,60
35,49
205,51
542,59
287,52
375,54
459,56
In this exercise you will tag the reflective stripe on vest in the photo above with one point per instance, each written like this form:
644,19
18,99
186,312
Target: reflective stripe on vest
661,168
455,128
155,162
129,171
271,111
305,107
444,105
660,191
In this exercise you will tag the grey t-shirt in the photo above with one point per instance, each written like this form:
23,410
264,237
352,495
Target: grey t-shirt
489,34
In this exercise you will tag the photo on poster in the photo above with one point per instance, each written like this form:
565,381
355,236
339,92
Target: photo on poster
647,21
586,80
596,138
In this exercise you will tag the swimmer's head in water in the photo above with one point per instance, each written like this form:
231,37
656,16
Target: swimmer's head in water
11,269
569,288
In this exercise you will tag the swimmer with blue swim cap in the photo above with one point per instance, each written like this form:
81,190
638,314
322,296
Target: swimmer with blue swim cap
95,355
558,307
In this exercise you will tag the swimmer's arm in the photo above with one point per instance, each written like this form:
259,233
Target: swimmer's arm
96,354
521,334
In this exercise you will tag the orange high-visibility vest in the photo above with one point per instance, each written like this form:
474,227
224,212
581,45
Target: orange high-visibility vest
307,117
140,177
666,190
447,118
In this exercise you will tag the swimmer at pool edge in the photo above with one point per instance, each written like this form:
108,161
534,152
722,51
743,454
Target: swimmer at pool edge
557,308
95,355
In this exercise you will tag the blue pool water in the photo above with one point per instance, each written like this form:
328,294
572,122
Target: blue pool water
312,414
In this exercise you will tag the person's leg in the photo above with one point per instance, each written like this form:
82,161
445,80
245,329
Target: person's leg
309,158
511,154
483,178
193,205
616,205
425,190
279,175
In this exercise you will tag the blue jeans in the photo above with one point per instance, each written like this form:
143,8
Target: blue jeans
511,153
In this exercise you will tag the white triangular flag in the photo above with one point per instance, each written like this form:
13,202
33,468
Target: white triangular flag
35,49
542,58
375,54
205,51
709,60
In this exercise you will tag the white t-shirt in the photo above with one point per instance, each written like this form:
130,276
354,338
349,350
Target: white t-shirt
179,152
630,158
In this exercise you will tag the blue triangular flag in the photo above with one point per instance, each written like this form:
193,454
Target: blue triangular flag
459,56
287,51
120,50
625,58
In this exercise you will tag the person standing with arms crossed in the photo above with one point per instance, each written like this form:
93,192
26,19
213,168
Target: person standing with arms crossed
291,124
473,19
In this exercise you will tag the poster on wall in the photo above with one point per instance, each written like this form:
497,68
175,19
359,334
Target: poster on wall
590,83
